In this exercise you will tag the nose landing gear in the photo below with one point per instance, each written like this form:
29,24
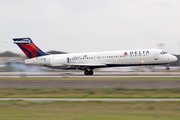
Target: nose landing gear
88,72
167,68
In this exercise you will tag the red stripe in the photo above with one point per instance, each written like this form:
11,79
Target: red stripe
32,48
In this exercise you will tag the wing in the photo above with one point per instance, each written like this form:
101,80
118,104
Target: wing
80,66
87,64
83,66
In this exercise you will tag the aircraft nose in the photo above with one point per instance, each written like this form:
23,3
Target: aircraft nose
173,58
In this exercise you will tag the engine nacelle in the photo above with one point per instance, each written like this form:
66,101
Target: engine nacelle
59,61
33,61
47,61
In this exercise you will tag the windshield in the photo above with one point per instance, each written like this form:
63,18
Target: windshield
164,52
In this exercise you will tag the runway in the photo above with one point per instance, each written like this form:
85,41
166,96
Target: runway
84,83
96,74
169,80
85,99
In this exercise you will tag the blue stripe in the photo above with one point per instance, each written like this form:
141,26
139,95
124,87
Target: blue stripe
41,53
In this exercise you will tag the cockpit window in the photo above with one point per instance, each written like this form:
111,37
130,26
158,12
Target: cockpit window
164,52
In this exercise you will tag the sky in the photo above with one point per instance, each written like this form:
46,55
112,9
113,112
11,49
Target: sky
91,25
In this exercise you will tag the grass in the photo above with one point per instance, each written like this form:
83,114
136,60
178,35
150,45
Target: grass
50,110
88,93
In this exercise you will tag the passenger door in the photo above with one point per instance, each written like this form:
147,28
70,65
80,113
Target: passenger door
67,59
155,56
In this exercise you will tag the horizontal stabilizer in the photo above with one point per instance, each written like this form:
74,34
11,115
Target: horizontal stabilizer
22,42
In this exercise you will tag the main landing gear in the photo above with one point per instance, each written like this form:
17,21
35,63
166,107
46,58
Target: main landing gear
88,72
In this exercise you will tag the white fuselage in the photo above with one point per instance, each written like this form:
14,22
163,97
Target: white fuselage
104,59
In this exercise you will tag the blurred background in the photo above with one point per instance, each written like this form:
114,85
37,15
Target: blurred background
89,26
72,26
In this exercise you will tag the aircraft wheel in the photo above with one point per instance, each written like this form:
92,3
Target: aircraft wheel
86,72
91,72
167,68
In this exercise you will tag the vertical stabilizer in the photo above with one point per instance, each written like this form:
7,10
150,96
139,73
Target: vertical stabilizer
28,47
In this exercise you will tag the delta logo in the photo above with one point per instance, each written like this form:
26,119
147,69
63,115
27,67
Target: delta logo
137,52
125,53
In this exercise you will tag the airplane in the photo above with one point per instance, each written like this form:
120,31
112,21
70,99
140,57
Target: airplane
92,60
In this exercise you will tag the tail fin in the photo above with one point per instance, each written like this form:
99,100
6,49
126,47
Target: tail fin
28,47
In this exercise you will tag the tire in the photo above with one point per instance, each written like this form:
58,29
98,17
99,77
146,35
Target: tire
86,72
91,72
